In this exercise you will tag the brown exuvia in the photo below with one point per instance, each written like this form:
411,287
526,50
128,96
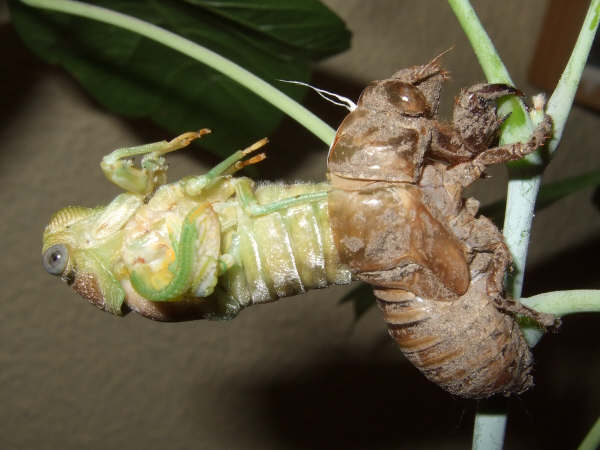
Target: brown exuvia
401,224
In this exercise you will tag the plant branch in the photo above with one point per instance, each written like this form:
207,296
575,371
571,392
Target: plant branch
518,126
524,189
202,54
524,183
561,100
561,303
489,429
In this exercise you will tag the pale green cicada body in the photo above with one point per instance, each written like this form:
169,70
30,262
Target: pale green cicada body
202,247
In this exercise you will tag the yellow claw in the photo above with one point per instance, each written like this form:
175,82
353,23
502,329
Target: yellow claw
183,140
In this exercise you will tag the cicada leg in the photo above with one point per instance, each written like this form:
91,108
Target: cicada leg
245,194
465,173
196,266
195,185
243,186
153,170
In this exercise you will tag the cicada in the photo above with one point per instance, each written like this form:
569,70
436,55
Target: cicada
205,246
391,214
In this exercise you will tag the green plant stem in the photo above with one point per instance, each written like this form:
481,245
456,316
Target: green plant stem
592,439
261,88
524,189
489,429
561,303
561,100
518,127
518,219
525,175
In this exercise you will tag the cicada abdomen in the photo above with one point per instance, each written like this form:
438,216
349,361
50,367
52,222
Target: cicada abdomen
285,252
401,225
466,346
271,242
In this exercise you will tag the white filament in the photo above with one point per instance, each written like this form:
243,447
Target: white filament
341,100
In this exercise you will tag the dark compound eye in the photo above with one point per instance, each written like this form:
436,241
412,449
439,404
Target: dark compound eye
407,98
55,259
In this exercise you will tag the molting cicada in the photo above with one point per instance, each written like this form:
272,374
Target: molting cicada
203,247
391,215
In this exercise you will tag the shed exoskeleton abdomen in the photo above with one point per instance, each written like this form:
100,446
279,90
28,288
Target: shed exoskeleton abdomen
467,347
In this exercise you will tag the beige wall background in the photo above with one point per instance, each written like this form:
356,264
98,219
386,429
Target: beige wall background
292,375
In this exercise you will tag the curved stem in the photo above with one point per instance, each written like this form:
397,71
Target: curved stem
523,188
522,191
524,185
489,427
202,54
561,303
518,126
561,100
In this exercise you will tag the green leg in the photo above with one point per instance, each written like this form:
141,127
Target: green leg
153,168
249,203
230,165
184,265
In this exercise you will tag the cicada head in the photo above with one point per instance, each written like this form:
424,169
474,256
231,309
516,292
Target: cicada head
81,245
411,92
397,96
427,80
385,138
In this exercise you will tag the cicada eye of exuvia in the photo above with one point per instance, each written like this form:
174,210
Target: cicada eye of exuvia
55,259
407,98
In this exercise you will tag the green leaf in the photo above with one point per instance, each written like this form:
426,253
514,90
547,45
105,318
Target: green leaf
137,77
305,27
362,299
549,194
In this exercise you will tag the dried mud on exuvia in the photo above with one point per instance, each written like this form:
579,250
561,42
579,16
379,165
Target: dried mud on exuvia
437,268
